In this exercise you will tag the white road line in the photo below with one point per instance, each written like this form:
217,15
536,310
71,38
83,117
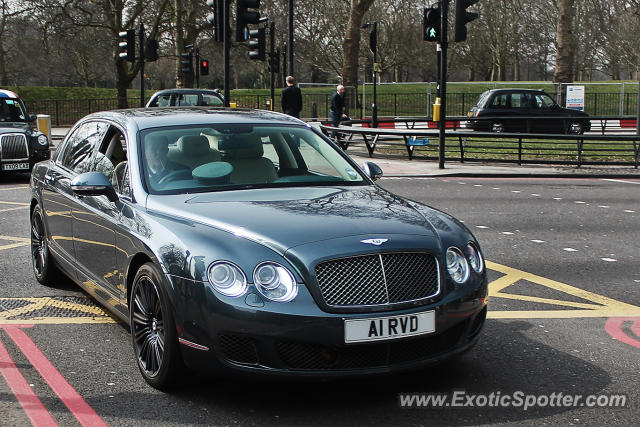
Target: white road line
557,198
535,195
508,233
629,211
569,249
620,180
604,206
580,203
537,241
515,191
609,259
478,185
481,226
496,188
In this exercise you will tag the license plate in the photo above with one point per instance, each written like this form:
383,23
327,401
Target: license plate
15,166
387,328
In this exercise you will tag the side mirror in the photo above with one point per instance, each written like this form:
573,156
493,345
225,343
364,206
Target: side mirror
32,118
93,184
372,170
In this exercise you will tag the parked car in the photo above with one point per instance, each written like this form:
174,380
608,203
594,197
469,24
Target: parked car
246,240
186,97
525,110
21,146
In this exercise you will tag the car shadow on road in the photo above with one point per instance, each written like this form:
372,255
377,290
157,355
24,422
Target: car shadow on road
505,361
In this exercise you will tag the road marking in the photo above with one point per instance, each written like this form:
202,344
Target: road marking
61,387
609,259
537,241
597,305
25,395
481,226
47,310
614,328
620,180
14,188
569,249
19,241
629,211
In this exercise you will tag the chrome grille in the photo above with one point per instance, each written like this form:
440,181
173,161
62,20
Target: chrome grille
378,279
13,147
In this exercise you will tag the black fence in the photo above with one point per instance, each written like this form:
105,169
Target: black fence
317,106
523,148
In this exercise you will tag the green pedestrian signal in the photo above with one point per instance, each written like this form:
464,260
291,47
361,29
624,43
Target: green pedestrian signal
431,25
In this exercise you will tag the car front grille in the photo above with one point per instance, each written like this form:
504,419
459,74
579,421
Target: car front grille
303,356
238,348
13,147
378,279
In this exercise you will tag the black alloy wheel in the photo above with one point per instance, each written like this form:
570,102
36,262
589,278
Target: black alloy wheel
44,268
497,127
153,330
575,128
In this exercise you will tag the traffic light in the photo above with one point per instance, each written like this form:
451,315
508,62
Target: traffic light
186,62
127,45
257,44
462,18
216,18
151,50
204,67
244,17
431,25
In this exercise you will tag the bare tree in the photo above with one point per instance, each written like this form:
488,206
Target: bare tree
351,43
564,55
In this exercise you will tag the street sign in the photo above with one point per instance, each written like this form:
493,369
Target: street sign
575,97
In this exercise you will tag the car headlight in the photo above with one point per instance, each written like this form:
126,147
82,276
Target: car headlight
42,139
227,278
275,282
475,258
457,265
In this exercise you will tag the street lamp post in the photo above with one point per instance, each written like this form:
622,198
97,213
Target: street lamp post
373,46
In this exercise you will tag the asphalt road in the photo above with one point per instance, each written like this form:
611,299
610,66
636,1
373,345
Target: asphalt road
564,318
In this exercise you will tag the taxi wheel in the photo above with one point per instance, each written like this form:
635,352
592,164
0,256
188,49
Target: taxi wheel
153,330
497,127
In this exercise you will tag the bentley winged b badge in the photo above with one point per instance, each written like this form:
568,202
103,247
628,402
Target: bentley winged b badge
376,242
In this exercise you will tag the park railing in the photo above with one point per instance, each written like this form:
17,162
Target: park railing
521,148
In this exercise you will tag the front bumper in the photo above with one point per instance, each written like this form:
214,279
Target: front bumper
296,338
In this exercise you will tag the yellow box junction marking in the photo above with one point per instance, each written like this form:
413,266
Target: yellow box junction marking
20,315
18,241
20,205
599,306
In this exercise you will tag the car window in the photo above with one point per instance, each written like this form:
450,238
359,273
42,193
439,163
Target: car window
483,99
162,101
211,100
231,156
544,101
11,111
187,99
79,152
500,100
520,100
111,158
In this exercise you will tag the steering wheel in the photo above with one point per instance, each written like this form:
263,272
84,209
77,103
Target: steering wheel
174,175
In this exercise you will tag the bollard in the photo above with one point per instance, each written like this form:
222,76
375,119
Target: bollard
44,124
314,112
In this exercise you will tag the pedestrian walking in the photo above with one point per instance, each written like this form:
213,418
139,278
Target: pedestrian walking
338,108
291,99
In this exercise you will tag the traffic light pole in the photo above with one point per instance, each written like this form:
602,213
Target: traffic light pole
197,67
227,48
141,64
444,5
272,59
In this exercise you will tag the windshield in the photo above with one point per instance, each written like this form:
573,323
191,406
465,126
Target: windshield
11,111
218,157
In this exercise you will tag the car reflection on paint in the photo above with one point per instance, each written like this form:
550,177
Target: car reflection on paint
246,240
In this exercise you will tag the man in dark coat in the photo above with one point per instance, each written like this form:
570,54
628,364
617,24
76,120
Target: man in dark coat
338,108
158,165
291,98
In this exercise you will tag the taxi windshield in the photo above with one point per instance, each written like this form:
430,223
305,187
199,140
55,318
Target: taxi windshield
11,111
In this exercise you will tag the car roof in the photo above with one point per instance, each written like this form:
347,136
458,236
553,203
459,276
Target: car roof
514,89
145,118
7,94
187,90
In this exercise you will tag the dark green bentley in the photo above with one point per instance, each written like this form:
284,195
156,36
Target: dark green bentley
247,240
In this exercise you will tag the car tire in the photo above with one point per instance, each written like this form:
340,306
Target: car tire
575,128
153,329
497,127
44,267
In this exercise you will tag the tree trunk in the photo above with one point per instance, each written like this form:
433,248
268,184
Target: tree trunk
564,56
351,42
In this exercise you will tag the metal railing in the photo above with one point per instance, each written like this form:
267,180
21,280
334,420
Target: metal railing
518,148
